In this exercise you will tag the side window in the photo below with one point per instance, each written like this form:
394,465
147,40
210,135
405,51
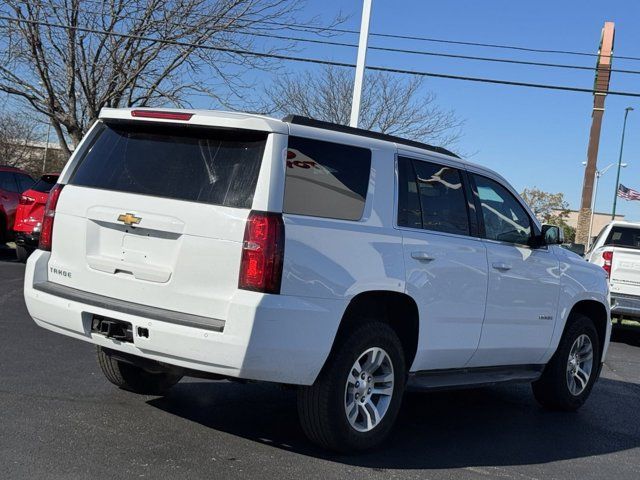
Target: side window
326,179
505,219
409,212
431,197
7,182
25,182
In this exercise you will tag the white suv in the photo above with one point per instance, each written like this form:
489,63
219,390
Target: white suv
348,263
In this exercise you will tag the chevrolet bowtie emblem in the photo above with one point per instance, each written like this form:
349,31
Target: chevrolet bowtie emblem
129,219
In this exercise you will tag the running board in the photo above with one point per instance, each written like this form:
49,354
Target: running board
473,377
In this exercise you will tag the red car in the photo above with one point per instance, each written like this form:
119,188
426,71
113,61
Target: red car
13,181
30,213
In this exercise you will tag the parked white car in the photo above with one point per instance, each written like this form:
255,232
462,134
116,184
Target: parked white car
617,250
348,263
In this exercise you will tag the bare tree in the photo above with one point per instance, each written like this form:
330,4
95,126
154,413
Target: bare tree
18,135
390,104
69,74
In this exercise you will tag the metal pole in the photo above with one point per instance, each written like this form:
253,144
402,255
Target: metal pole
360,64
615,194
46,149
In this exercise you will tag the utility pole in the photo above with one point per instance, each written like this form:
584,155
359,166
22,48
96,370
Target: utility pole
615,194
601,87
360,64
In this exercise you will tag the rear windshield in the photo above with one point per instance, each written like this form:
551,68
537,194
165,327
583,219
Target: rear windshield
45,183
204,165
624,237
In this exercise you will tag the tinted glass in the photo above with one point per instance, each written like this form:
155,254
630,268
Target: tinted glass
45,183
7,182
505,219
409,212
25,182
193,164
442,199
628,237
326,179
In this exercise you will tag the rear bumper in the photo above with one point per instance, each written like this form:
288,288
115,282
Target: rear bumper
627,305
275,338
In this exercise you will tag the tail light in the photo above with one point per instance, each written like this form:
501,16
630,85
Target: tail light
262,253
46,233
608,258
25,200
162,115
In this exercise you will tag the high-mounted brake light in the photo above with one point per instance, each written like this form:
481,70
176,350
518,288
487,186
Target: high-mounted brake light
608,259
46,233
25,200
162,115
262,253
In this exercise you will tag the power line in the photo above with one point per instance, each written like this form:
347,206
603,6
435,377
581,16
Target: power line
439,54
319,29
324,62
311,28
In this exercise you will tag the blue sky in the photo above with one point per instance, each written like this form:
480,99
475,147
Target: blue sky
533,137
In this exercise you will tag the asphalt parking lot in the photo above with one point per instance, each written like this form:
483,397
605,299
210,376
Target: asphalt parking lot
59,418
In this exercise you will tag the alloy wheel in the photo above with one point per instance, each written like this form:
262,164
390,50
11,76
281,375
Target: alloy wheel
369,389
579,364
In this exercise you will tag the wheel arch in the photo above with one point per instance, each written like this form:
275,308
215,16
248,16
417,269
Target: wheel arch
397,309
597,312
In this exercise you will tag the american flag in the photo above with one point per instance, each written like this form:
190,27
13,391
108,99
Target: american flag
628,193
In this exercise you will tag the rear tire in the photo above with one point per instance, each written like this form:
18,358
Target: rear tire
568,378
332,411
22,253
135,379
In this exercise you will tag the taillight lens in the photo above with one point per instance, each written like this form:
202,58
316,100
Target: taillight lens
26,200
46,233
262,253
608,258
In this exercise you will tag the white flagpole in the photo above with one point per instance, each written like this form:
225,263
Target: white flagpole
360,64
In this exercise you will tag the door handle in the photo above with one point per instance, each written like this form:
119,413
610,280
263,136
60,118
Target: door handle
501,266
422,256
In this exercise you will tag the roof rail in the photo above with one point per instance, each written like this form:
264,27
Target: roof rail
311,122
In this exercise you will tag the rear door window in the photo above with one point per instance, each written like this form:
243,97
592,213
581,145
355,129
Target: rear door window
627,237
432,197
206,165
326,179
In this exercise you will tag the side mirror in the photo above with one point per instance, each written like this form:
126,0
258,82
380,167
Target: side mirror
552,235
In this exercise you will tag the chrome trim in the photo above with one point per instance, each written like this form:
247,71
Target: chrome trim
130,308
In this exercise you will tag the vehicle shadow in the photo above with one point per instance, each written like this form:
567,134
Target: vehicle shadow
494,426
626,334
7,254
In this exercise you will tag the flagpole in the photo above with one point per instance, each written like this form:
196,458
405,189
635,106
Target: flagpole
615,194
360,63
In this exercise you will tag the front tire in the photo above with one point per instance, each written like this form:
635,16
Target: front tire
133,378
568,378
355,400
